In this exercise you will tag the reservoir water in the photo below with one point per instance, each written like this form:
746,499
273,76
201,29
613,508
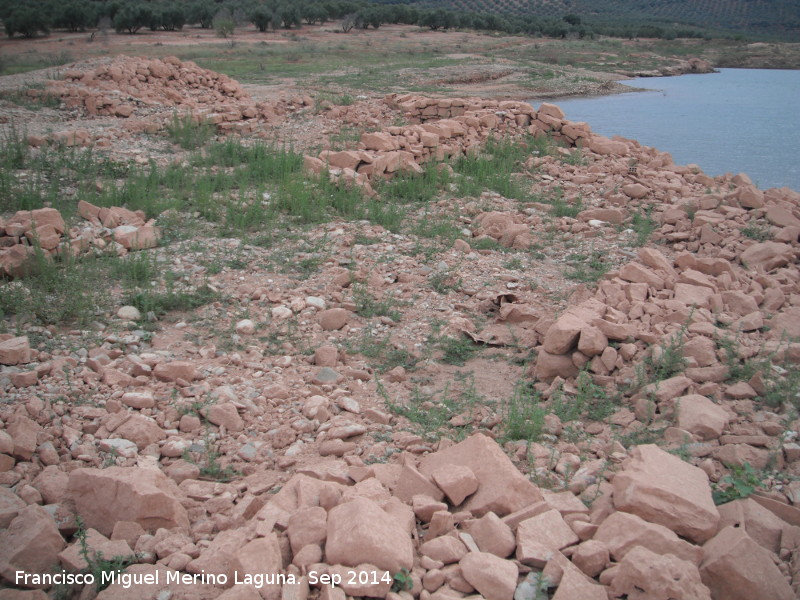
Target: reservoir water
734,121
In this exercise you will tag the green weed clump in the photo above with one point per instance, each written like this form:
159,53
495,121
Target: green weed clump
431,414
523,415
208,461
739,483
760,232
369,306
456,350
65,290
561,208
591,401
644,226
781,386
668,362
99,566
494,168
381,353
587,268
33,96
171,299
189,132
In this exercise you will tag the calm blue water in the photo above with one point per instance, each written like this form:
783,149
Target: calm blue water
737,120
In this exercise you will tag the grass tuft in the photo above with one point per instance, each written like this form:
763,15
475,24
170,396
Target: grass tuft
190,132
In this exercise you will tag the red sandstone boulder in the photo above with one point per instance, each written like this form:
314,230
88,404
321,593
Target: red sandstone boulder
547,528
333,318
767,255
562,336
549,366
493,577
604,146
15,351
380,142
146,496
177,369
644,575
661,488
492,535
307,526
575,586
621,532
259,557
29,220
636,191
736,567
137,238
360,531
700,416
445,548
502,488
30,544
760,524
225,415
456,481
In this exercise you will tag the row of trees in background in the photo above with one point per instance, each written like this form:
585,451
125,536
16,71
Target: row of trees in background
31,17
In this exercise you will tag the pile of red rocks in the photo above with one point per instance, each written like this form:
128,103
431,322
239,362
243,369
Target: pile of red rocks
147,92
405,149
124,83
458,521
116,230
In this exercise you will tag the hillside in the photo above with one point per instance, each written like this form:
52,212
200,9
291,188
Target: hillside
757,17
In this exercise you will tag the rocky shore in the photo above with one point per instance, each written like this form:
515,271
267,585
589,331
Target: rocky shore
249,449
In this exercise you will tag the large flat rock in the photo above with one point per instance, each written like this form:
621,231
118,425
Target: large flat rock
502,489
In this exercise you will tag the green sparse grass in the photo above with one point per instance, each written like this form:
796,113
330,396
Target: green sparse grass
758,231
64,290
782,386
591,401
431,414
495,167
369,306
560,208
189,132
643,226
208,462
32,96
346,137
644,435
456,350
402,581
523,415
667,362
487,243
587,268
97,565
171,299
514,264
30,61
444,282
381,353
739,483
436,227
136,269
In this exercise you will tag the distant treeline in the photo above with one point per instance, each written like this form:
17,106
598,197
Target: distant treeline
777,19
32,17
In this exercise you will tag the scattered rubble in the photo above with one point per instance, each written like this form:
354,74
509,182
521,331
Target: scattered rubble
115,230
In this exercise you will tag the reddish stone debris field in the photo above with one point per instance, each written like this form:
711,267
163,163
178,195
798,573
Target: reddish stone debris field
574,376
